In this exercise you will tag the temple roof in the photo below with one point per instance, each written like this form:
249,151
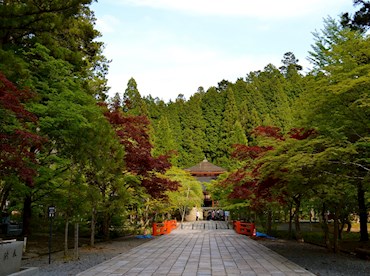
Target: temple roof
206,167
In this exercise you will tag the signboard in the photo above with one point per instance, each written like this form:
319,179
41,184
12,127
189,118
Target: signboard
51,211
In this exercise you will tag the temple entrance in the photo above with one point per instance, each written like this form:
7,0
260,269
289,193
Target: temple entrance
205,172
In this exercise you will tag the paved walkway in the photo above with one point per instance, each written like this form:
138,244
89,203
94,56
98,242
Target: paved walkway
198,249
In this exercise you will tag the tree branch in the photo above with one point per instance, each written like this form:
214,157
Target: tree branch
345,176
352,163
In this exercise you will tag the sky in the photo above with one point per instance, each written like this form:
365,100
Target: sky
173,47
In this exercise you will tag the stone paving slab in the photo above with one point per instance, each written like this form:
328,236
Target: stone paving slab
191,250
205,225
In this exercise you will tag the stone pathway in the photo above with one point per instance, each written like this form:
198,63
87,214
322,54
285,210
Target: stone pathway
199,249
204,225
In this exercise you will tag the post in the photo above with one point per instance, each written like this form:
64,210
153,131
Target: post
50,235
51,214
187,198
24,244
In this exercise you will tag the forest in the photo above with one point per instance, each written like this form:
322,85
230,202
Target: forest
291,141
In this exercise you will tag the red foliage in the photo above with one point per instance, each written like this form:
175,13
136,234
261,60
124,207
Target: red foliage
18,147
265,186
301,133
242,183
268,131
242,192
255,171
235,177
155,186
253,189
249,185
243,152
133,133
11,99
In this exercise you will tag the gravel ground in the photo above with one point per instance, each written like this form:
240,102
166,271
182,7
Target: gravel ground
317,259
314,258
88,257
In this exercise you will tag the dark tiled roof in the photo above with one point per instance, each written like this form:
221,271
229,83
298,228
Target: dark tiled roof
205,167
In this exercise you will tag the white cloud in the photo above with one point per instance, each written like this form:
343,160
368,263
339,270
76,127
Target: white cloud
184,71
107,23
281,9
167,59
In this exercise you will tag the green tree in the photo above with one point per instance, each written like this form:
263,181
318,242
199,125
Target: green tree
66,28
290,65
212,110
337,103
132,101
164,140
66,113
51,47
232,131
290,70
360,20
18,164
192,126
189,194
272,84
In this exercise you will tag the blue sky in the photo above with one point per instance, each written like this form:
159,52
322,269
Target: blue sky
172,47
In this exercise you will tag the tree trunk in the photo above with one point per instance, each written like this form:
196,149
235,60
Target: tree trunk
269,222
106,216
93,222
298,232
341,227
364,235
4,196
76,254
66,238
336,233
27,213
187,197
325,227
291,216
106,224
349,225
182,215
345,220
27,206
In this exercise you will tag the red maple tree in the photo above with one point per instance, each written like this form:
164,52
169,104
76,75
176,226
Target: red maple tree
301,133
133,133
18,145
246,182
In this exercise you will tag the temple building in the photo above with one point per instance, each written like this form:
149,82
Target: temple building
205,172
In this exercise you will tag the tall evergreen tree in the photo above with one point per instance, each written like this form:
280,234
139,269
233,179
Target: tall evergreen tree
294,80
132,101
173,115
212,110
193,125
360,20
66,28
290,65
231,129
164,140
272,84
